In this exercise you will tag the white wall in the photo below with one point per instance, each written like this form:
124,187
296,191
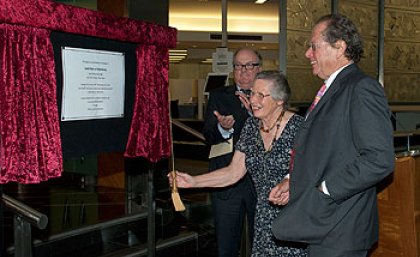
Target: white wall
186,90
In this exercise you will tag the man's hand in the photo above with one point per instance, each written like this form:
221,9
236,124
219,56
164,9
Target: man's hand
225,121
279,195
244,100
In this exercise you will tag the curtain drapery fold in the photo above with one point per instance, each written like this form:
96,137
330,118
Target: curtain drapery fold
149,135
56,16
30,149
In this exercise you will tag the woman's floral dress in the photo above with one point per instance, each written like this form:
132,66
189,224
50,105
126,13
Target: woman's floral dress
267,169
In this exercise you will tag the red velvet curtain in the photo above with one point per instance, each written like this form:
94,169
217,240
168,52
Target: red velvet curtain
30,149
60,17
149,135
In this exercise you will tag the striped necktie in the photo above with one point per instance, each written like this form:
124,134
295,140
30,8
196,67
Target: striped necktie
318,96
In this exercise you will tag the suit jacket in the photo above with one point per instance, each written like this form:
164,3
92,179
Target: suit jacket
346,141
225,101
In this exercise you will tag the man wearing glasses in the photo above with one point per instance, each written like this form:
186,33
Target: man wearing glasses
343,149
227,110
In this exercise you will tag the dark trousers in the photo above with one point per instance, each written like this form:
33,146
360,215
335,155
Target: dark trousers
229,215
319,251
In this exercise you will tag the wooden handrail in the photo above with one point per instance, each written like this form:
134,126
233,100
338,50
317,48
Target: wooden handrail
29,214
189,130
405,108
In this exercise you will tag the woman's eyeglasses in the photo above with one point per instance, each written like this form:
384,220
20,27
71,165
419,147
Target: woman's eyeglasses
258,95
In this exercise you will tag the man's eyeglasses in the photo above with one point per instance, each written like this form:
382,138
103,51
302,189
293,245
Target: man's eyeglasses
258,95
248,66
315,46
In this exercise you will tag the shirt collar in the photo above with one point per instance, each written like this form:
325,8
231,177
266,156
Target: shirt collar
331,78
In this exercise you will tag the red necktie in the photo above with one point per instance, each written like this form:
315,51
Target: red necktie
318,96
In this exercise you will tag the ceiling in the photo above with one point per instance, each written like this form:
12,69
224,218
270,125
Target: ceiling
197,20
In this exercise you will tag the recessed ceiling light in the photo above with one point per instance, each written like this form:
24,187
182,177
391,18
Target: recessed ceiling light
178,51
260,1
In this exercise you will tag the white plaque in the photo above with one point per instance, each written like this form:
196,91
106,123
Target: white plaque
93,84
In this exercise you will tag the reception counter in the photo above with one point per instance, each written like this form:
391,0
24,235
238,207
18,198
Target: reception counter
399,209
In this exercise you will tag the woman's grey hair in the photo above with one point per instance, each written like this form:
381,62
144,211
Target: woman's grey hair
280,89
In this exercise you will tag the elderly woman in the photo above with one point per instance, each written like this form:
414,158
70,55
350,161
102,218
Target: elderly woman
263,151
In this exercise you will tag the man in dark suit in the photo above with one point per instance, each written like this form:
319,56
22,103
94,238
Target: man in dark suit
227,110
343,149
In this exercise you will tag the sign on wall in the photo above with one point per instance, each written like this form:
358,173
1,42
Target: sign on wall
93,84
222,61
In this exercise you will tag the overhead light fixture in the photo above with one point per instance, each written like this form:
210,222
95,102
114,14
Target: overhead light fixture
177,55
260,1
178,51
207,60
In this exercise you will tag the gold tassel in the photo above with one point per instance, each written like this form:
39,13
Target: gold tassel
176,199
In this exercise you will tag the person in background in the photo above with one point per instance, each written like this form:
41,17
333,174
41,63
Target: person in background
343,149
263,152
226,112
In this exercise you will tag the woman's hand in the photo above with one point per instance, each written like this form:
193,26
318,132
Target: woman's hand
279,195
183,180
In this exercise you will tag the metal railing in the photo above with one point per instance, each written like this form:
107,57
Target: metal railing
188,129
24,217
